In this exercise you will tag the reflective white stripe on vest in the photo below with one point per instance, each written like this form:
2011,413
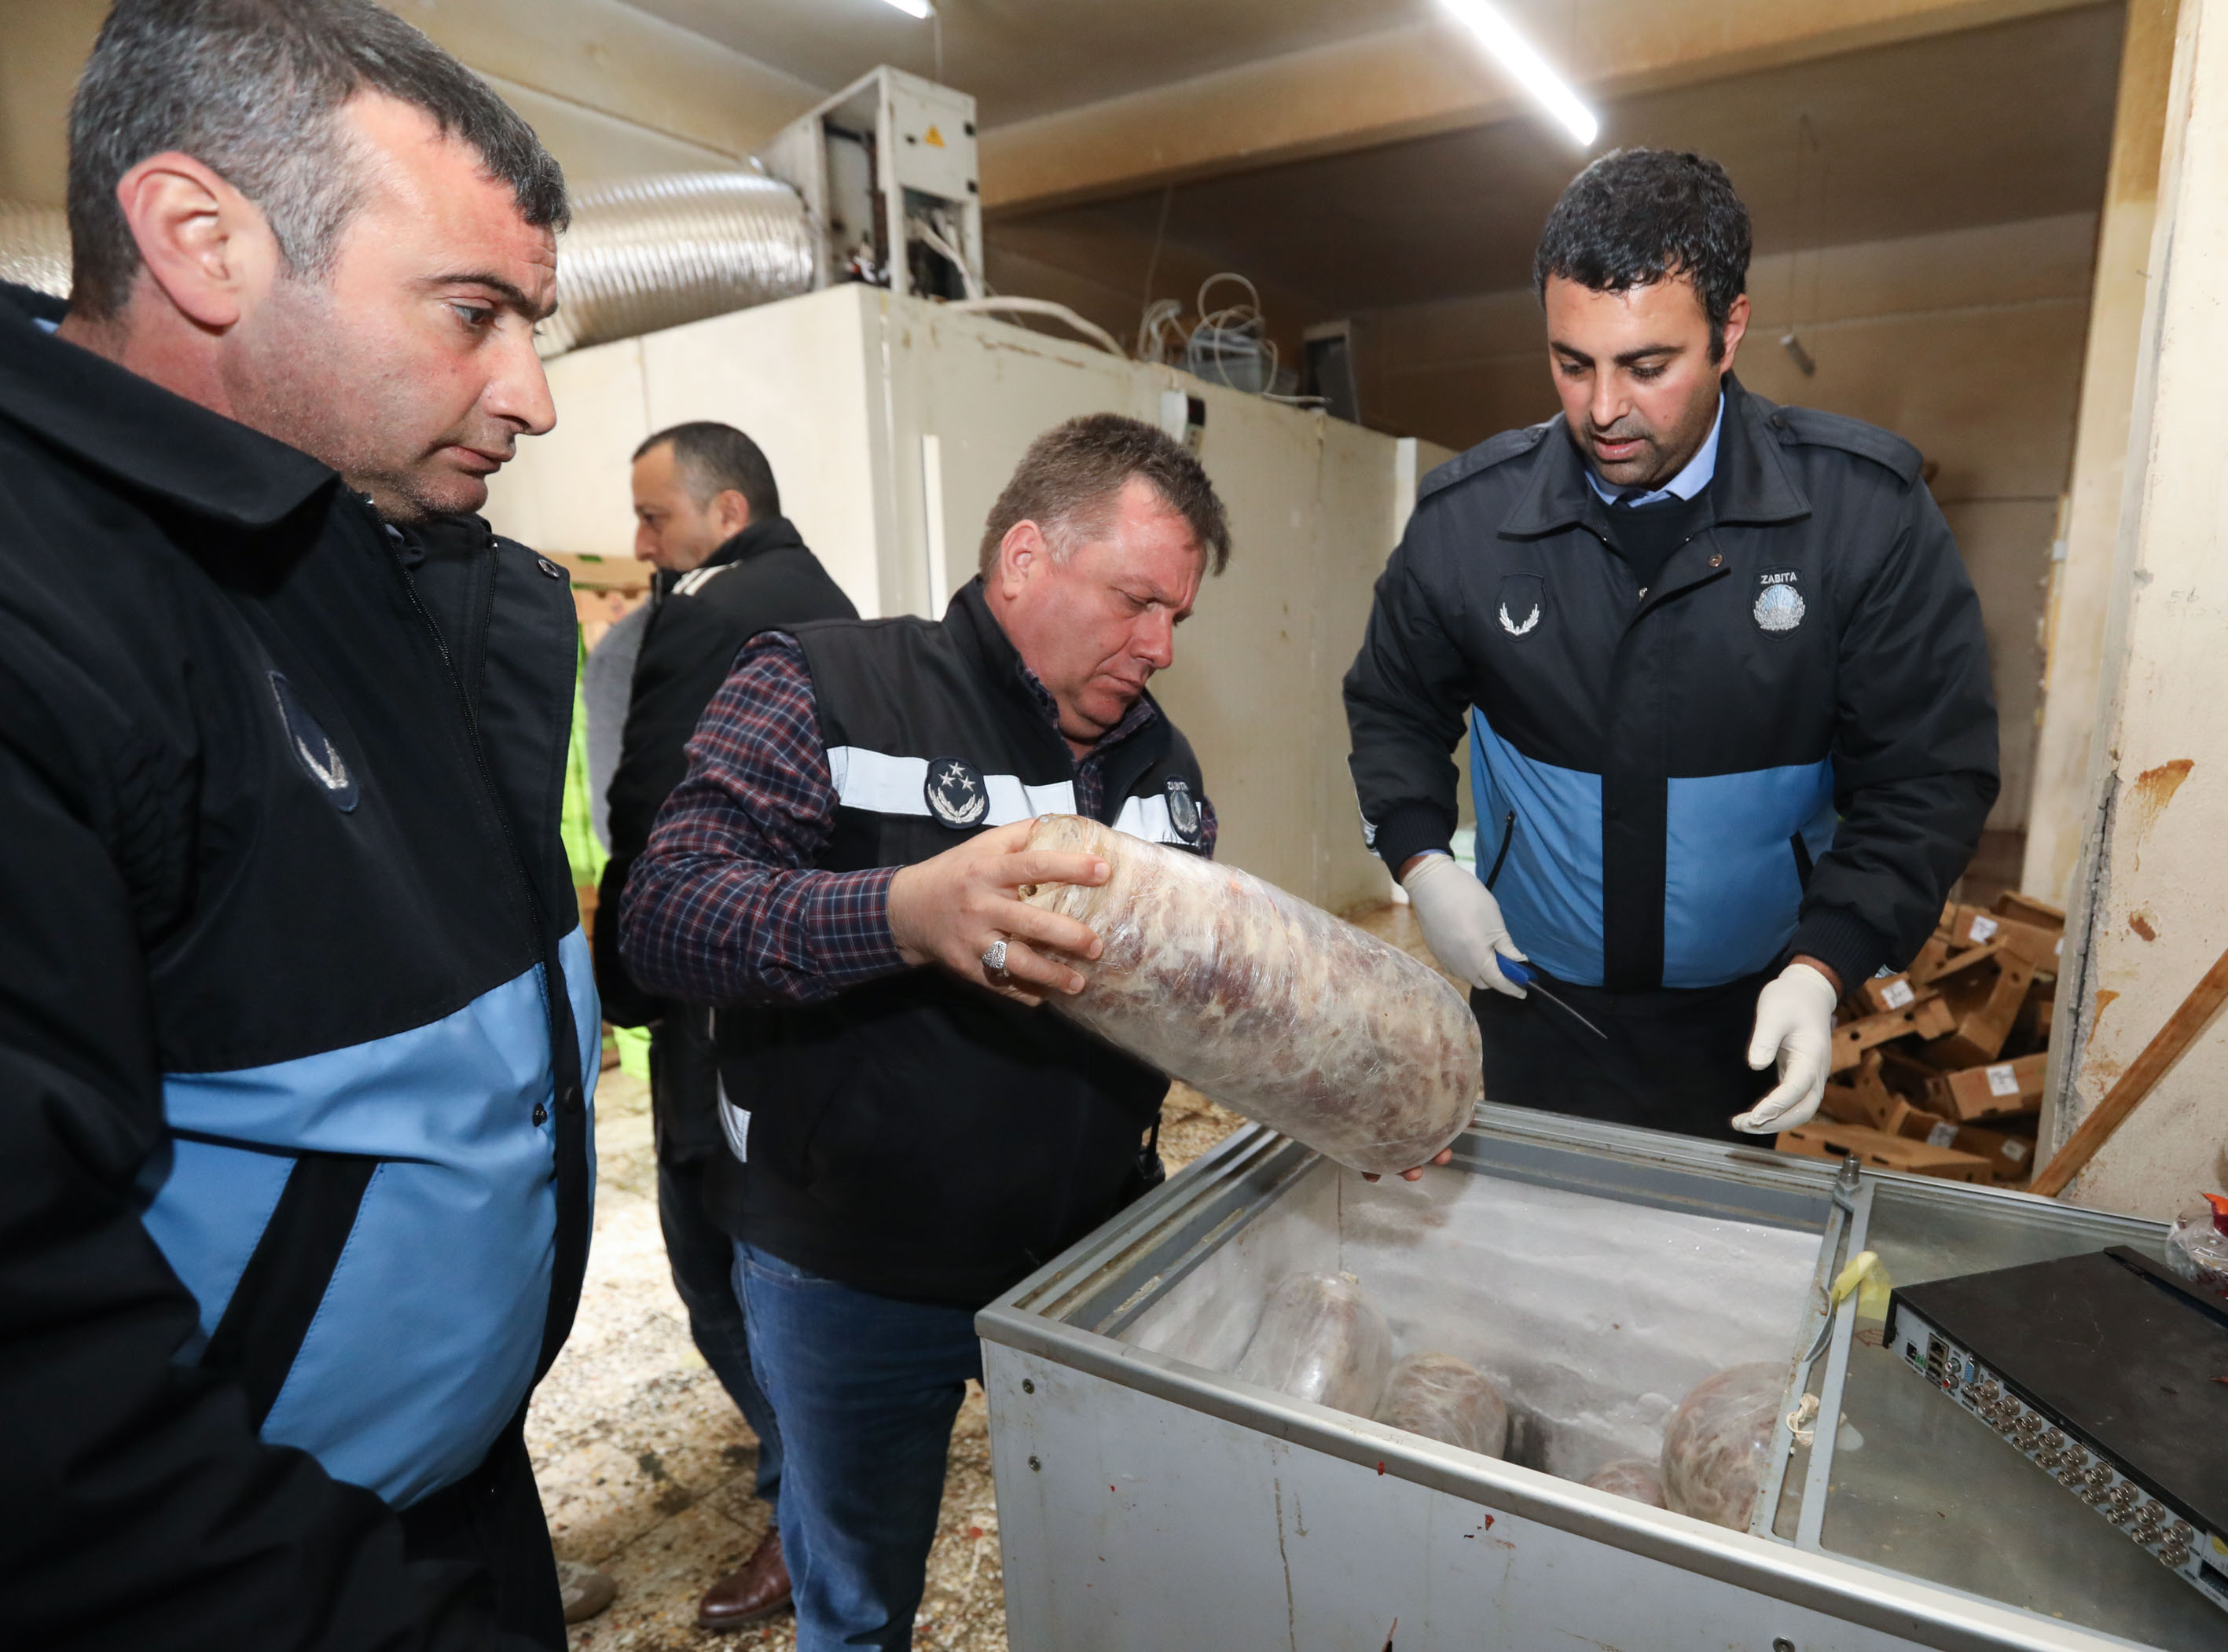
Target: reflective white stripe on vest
1148,817
691,583
883,785
734,1124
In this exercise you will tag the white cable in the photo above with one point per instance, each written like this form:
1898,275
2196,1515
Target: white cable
1160,329
923,231
1059,312
1243,320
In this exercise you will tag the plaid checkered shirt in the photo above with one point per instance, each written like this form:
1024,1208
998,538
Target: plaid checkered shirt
724,905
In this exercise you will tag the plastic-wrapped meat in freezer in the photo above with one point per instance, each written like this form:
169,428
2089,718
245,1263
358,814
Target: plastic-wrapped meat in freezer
1631,1477
1320,1339
1273,1007
1446,1399
1718,1443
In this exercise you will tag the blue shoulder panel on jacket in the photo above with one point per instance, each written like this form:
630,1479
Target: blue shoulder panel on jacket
1495,450
1809,427
430,1328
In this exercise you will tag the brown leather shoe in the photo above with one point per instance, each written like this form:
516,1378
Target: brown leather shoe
754,1591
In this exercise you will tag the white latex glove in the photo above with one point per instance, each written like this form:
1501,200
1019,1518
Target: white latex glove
1794,1026
1462,922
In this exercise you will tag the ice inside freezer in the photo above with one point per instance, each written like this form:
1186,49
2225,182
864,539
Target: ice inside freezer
1594,1315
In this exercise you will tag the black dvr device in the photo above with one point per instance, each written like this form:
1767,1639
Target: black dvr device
2110,1373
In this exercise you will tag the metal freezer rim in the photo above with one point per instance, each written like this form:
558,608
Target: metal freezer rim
1066,1311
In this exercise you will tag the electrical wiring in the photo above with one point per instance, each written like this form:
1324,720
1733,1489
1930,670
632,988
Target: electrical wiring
1235,333
935,235
1160,331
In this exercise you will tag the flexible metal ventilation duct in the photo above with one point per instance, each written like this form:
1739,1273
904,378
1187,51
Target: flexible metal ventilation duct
647,254
658,251
34,247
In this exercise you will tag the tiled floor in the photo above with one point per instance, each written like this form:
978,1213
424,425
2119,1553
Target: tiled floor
645,1468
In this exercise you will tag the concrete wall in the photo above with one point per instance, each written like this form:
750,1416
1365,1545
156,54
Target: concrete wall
2063,809
614,91
1968,343
2151,912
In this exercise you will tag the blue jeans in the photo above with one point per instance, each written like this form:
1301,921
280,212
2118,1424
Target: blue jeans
703,1262
865,1388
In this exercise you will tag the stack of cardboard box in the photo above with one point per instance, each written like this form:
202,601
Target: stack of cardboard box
1938,1070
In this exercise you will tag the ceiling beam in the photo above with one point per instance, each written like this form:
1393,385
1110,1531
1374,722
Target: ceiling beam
609,56
1424,79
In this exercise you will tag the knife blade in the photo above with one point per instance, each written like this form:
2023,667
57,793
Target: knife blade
1525,976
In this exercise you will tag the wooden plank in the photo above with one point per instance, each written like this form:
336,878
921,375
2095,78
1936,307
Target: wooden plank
1929,1017
2028,909
1419,78
1887,992
1984,990
2038,944
2181,1031
1819,1139
2010,1156
1866,1098
1996,1089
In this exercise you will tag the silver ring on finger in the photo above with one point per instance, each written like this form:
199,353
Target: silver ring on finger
993,957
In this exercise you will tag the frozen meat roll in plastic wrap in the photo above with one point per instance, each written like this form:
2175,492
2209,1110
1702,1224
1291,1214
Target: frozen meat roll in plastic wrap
1446,1399
1271,1006
1320,1339
1633,1477
1718,1443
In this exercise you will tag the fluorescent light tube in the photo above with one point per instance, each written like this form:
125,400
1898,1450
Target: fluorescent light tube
913,8
1531,71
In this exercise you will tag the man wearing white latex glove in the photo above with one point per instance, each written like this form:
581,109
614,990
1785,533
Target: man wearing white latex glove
1794,1027
1721,678
1460,921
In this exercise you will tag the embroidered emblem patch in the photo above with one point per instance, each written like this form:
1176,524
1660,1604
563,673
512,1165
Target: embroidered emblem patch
313,748
955,792
1779,605
1521,603
1183,810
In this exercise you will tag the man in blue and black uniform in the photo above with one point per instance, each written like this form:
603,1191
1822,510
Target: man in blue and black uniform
297,1028
1731,734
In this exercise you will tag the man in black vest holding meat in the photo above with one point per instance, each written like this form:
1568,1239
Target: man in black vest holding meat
839,871
708,513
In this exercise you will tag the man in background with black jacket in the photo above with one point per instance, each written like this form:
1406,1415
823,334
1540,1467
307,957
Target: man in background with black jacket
297,1028
729,565
1731,731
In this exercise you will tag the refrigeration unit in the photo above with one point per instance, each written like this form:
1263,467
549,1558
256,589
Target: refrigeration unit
887,172
892,423
1148,1498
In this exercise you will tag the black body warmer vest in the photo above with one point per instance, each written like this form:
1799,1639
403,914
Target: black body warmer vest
919,1137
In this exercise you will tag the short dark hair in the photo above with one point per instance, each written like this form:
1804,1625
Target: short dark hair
1069,479
1641,215
712,459
252,89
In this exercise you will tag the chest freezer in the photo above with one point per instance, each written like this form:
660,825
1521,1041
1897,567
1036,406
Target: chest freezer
1149,1500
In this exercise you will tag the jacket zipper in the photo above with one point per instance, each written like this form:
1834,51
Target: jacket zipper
536,921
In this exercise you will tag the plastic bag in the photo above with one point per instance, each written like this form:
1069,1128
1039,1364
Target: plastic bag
2197,1244
1633,1477
1446,1399
1320,1339
1271,1006
1718,1443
